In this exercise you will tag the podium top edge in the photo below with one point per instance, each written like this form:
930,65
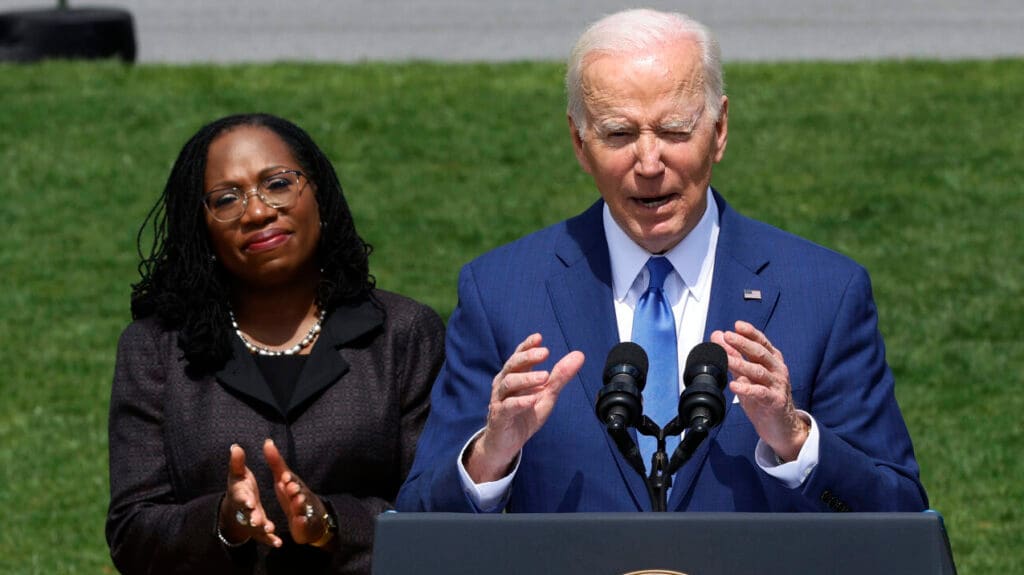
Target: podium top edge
695,516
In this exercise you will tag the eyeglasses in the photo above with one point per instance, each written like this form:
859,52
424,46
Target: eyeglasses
277,191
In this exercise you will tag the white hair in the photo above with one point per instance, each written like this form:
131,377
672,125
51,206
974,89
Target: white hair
635,30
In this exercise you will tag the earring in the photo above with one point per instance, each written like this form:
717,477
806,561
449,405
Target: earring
213,258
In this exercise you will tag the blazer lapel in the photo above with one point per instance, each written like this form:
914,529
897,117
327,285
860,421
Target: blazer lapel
325,364
581,296
738,292
323,367
241,375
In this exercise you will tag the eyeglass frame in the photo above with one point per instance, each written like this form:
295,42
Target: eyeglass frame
256,191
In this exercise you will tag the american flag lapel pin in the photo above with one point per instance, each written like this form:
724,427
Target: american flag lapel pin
752,294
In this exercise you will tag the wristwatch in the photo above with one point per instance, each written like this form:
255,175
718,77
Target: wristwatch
330,528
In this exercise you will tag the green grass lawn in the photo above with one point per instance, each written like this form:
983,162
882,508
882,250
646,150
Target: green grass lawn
912,168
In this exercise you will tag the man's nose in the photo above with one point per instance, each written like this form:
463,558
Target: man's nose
648,155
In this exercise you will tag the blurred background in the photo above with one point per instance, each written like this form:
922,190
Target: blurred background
472,30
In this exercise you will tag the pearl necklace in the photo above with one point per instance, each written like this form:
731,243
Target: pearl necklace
259,349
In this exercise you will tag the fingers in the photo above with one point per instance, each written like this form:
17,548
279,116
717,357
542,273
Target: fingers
753,345
762,385
521,402
290,490
302,507
751,354
752,334
759,369
519,384
515,378
242,516
296,500
286,487
283,477
268,537
258,520
761,379
747,391
527,354
236,464
274,460
292,494
532,340
241,483
565,370
261,528
525,390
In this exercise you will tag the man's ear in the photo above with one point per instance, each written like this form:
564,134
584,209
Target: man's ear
577,145
722,130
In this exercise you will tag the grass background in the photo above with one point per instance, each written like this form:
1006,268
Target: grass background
912,168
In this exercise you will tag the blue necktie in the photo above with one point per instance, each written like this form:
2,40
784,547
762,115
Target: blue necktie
654,329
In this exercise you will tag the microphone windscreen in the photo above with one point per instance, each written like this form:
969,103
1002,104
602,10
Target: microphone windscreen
707,357
627,353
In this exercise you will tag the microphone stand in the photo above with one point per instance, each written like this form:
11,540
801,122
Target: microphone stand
659,480
628,448
695,434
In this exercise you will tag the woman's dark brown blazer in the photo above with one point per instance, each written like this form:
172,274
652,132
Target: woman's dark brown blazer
349,432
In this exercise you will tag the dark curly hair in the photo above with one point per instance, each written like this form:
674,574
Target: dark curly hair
187,291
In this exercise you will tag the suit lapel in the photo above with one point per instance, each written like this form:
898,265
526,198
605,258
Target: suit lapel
581,296
324,366
241,375
738,292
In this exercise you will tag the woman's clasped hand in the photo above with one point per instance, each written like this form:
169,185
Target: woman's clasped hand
242,515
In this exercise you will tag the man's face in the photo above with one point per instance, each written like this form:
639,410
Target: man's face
649,143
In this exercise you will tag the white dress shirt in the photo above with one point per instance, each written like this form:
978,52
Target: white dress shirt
688,291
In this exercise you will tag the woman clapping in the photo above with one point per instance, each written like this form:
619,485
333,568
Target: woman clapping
267,397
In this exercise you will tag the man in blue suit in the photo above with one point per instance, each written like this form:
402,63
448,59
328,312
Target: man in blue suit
811,421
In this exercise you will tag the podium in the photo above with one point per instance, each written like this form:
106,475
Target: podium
659,543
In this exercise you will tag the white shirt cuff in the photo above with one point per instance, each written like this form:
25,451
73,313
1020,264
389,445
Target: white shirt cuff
794,473
489,496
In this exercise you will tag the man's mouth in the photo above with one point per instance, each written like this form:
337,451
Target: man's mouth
656,202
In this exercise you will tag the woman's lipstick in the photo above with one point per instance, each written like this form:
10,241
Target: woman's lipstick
266,240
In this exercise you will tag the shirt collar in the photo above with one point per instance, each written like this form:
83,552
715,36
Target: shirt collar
691,257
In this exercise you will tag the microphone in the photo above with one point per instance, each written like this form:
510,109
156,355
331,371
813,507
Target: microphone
625,374
702,403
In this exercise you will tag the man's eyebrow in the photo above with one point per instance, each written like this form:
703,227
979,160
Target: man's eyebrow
613,125
678,125
686,123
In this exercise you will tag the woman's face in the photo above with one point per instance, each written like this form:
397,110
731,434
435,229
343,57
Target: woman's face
266,247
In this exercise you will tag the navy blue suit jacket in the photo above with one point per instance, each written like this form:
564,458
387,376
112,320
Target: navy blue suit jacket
816,307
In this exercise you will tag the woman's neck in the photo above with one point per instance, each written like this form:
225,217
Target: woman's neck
279,316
